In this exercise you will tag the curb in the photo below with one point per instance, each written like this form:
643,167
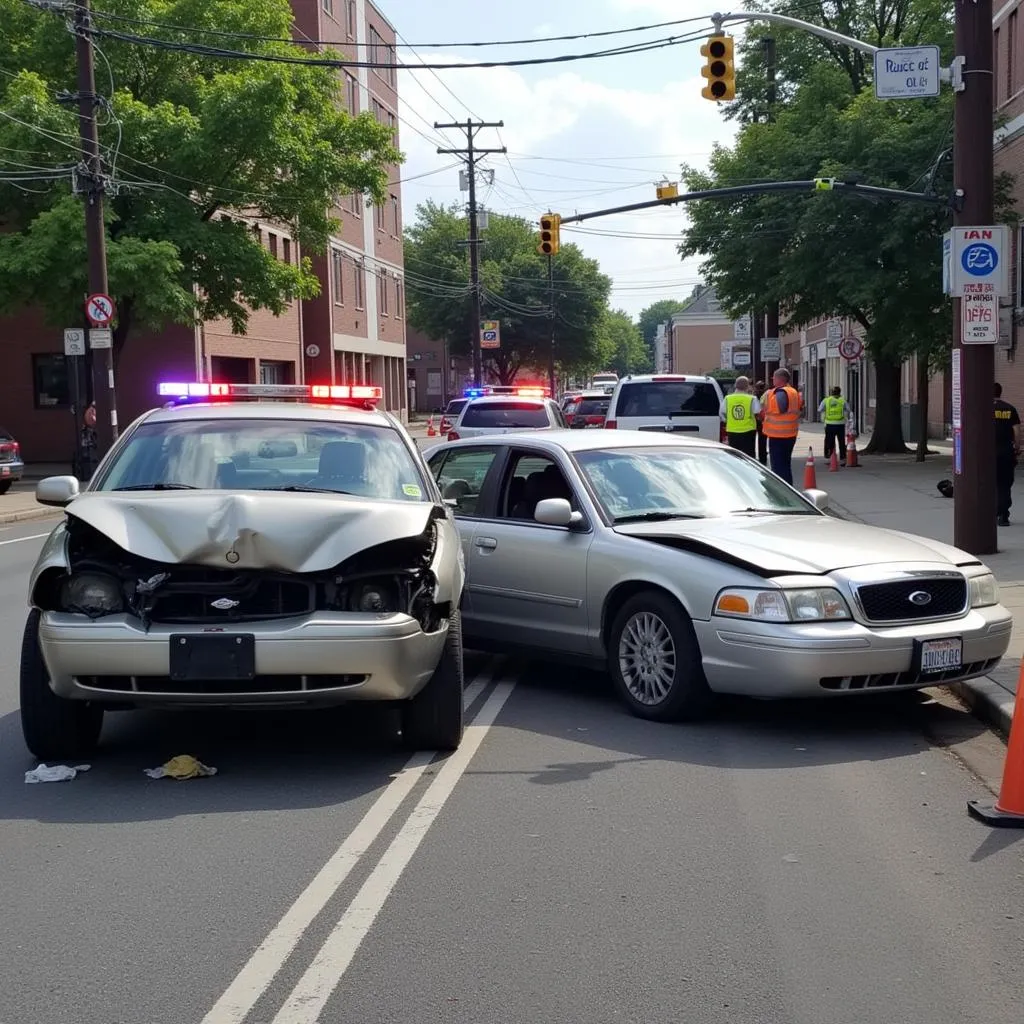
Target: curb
10,518
987,700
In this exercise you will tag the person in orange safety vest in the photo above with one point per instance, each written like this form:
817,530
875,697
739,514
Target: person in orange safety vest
781,405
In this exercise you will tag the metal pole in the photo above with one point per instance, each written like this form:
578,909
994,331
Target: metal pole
95,232
551,300
974,493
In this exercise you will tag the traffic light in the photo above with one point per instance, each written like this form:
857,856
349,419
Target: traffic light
549,224
719,69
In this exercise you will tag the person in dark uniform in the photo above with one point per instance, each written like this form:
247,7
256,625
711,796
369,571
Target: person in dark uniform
762,441
1007,450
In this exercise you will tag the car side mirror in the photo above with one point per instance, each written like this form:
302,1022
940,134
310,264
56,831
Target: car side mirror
57,490
819,499
556,512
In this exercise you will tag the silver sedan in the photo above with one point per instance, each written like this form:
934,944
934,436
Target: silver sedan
688,569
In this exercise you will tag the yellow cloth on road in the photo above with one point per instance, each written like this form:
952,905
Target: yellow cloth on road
184,766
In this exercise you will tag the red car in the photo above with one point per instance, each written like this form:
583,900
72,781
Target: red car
587,410
11,464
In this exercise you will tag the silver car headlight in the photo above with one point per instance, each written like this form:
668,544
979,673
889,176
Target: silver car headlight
92,594
984,591
818,604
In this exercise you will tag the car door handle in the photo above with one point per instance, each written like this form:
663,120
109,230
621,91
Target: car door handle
486,543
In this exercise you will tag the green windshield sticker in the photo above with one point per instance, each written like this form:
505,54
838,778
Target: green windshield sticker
412,491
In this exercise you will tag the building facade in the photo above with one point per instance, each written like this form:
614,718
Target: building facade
354,331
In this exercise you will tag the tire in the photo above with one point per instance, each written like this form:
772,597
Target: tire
434,719
653,625
55,729
5,486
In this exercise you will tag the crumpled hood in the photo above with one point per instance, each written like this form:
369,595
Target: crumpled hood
799,544
285,532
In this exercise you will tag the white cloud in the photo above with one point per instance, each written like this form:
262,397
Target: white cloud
581,137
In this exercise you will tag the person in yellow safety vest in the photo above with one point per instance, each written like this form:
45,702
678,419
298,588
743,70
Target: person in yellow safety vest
782,406
739,413
836,414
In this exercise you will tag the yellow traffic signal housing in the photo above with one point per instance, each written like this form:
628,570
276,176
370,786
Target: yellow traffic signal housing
667,190
549,230
719,69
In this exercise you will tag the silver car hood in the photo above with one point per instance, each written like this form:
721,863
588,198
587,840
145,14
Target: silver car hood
286,532
797,544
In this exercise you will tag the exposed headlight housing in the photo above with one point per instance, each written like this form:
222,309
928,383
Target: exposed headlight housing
984,591
92,594
381,596
818,604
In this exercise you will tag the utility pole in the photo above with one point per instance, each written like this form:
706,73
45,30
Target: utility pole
551,300
471,154
771,329
92,189
974,491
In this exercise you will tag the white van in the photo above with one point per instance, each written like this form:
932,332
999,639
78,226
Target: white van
676,403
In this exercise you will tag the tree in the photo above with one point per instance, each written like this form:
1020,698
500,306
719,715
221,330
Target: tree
514,290
184,138
625,344
657,313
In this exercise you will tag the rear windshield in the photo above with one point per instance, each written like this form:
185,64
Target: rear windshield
505,414
456,404
593,407
668,398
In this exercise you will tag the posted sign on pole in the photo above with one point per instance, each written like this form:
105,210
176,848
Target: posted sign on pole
905,73
979,266
490,334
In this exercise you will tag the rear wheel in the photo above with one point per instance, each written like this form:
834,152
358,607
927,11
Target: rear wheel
434,718
655,660
55,729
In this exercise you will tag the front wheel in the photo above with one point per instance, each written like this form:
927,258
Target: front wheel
434,719
55,729
5,486
655,660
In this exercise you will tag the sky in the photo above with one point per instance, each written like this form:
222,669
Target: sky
581,135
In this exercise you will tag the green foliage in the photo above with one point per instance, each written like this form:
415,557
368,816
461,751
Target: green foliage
624,343
185,138
514,290
657,313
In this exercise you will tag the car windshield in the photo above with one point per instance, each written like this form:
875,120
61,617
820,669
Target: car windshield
267,454
505,414
669,398
685,482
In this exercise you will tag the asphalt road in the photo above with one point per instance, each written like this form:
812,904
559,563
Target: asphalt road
798,864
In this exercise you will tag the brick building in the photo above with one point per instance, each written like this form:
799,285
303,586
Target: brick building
354,331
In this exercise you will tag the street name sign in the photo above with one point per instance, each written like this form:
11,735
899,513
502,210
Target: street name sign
904,73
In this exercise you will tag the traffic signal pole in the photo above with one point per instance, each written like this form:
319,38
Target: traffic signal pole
974,470
471,154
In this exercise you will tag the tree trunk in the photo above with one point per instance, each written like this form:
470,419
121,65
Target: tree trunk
505,367
887,436
923,380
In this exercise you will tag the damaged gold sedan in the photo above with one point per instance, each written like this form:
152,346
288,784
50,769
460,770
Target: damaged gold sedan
237,547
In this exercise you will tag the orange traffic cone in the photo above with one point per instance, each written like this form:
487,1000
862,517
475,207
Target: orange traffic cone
431,432
833,463
851,452
810,477
1008,810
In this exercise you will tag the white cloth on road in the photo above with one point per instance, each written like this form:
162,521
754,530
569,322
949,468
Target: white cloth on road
55,773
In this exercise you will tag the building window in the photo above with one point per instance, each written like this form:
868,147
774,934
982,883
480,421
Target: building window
286,244
328,6
273,372
355,203
399,298
359,283
378,216
393,125
1011,56
350,19
258,232
50,381
375,49
338,277
272,243
351,95
382,292
396,217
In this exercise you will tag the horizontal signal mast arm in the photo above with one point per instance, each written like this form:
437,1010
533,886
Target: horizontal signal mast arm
814,184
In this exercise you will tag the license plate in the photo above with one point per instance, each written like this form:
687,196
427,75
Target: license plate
221,657
940,655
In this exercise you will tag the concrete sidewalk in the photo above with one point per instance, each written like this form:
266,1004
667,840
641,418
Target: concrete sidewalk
895,492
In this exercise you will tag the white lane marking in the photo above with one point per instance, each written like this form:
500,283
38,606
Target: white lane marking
314,988
18,540
262,967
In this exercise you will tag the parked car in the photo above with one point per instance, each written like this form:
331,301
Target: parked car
668,403
11,465
451,414
688,570
253,553
502,414
587,410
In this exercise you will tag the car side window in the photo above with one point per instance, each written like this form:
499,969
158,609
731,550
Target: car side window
531,478
460,474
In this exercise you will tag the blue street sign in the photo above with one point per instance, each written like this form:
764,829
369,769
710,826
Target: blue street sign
979,259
